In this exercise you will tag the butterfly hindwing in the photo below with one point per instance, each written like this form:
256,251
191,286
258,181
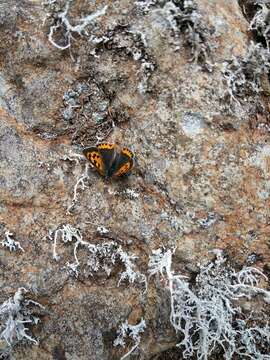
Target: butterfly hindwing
95,158
124,162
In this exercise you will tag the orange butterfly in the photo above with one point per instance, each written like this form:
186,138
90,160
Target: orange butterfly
108,160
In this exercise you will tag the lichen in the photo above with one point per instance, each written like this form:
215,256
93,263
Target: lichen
10,243
208,316
260,22
62,24
244,76
16,315
186,24
101,257
133,332
132,43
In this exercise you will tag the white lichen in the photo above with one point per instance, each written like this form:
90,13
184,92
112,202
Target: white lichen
16,315
100,257
139,52
67,234
244,75
132,332
132,194
145,5
208,314
187,26
73,157
81,179
261,22
63,23
102,230
48,2
127,193
10,243
80,184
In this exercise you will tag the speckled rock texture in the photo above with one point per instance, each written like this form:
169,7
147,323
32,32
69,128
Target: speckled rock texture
139,76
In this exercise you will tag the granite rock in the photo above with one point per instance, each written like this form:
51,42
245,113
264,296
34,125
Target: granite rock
201,175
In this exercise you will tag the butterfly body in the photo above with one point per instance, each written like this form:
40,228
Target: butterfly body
109,160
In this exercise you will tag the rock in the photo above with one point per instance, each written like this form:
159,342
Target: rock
153,76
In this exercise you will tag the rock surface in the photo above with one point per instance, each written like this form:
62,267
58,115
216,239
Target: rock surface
201,180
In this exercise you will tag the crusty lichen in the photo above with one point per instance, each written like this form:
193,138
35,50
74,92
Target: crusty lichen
187,26
244,76
260,22
63,25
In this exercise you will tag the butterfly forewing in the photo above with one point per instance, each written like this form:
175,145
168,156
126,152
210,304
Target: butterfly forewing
95,158
106,146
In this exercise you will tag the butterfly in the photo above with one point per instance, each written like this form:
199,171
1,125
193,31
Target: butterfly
108,160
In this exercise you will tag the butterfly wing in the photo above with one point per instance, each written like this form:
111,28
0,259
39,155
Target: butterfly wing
108,161
95,158
124,163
